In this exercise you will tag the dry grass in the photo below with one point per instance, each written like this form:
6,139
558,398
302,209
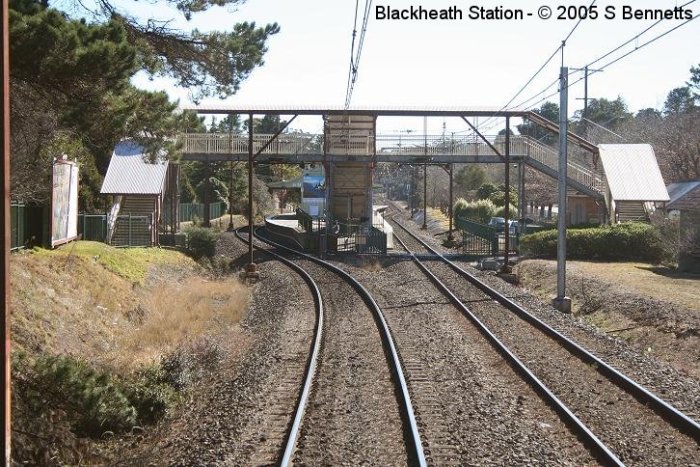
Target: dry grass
441,219
118,307
639,278
177,313
655,282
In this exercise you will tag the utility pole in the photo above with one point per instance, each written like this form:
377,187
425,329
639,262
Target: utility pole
6,227
561,302
584,115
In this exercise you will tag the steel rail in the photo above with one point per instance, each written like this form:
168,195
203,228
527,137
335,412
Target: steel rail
675,417
293,433
416,449
599,449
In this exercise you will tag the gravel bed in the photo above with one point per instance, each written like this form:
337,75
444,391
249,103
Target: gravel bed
239,415
353,415
636,434
681,390
472,409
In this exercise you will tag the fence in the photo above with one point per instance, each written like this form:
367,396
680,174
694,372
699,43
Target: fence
92,227
356,238
192,211
18,222
480,240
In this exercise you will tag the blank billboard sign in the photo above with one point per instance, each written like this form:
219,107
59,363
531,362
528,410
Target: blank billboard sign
64,202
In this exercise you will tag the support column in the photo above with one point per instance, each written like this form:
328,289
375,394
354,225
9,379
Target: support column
206,218
230,184
425,196
450,238
230,199
506,210
561,302
521,196
250,269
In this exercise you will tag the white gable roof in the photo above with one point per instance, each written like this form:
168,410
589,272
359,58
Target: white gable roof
632,172
130,174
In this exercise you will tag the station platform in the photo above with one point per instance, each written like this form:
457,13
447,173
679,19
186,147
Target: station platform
290,227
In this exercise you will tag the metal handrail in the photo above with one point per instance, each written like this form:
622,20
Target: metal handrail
293,144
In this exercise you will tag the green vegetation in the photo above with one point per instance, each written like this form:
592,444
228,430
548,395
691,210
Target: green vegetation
71,84
201,242
629,241
132,264
470,177
479,211
93,401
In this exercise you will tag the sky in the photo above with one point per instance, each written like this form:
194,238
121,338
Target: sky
444,63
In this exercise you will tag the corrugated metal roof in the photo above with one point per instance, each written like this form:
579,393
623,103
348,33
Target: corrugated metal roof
632,172
686,196
676,191
130,174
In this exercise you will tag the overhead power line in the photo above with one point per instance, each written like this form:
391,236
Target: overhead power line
355,56
352,50
612,62
542,67
607,54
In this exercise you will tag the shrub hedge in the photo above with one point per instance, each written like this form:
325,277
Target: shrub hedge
93,401
629,241
201,241
479,211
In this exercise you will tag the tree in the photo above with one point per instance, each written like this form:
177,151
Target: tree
71,86
550,111
679,100
486,190
499,197
649,115
694,81
230,123
209,64
675,136
611,114
470,177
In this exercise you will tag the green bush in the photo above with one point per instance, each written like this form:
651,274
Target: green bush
479,211
630,241
93,401
201,242
459,207
501,210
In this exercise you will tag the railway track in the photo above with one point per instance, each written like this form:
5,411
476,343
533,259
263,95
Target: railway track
289,437
572,386
347,364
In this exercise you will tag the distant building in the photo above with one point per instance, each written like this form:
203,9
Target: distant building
142,191
685,203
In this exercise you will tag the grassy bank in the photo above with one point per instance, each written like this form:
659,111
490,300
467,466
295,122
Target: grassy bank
108,339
